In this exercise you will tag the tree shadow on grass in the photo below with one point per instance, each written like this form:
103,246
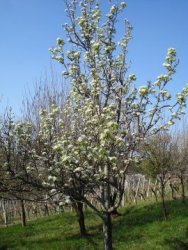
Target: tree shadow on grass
135,222
93,237
138,216
71,242
127,227
178,243
4,247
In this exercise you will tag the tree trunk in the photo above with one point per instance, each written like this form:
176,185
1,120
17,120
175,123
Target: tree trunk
46,210
115,213
81,220
163,202
172,191
107,231
23,214
148,188
155,194
4,213
182,189
107,224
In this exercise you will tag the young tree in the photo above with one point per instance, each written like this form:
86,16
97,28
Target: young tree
109,116
159,162
181,160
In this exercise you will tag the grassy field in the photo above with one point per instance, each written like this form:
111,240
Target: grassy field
139,228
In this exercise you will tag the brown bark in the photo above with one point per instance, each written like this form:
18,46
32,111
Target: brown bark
165,214
23,213
78,206
182,188
107,231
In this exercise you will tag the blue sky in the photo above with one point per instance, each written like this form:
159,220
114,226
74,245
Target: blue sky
29,27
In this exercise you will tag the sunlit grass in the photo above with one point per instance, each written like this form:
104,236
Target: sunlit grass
140,227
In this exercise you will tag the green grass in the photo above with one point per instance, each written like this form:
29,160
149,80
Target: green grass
139,227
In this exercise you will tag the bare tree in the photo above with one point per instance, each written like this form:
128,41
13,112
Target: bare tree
181,159
48,90
159,162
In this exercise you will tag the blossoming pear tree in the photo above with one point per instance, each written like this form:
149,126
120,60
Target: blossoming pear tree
109,114
55,126
15,145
